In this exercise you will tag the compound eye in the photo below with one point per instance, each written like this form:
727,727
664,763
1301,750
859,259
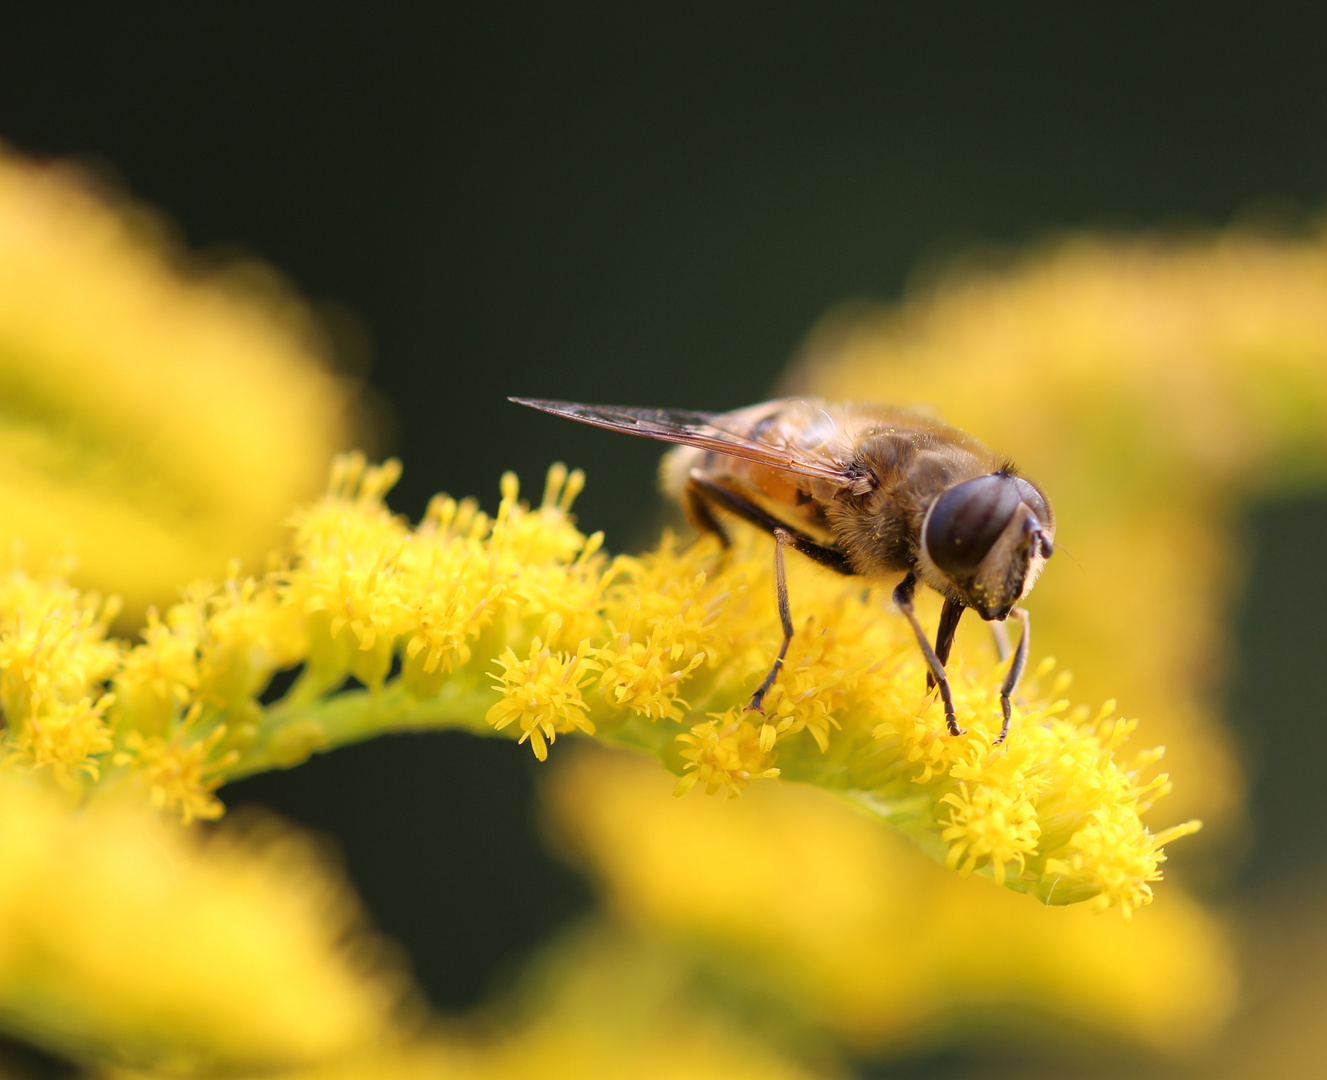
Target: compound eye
1035,500
967,520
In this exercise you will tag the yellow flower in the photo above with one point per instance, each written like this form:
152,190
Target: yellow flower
54,659
68,738
158,679
671,635
1113,858
848,929
642,675
543,694
658,652
178,775
993,825
127,937
158,421
575,1017
724,753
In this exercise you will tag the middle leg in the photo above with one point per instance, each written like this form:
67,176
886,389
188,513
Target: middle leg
1015,671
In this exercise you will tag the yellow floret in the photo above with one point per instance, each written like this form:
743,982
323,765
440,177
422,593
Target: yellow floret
178,774
542,694
55,657
643,676
991,825
723,754
67,738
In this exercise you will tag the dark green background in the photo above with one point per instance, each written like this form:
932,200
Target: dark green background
651,204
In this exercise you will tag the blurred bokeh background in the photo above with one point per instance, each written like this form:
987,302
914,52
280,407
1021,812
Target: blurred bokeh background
654,205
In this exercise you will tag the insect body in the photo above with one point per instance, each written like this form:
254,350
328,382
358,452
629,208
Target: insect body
863,489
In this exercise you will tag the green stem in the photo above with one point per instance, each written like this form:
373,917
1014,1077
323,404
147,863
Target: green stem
291,731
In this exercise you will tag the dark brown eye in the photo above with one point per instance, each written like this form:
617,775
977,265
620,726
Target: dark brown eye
967,520
1034,500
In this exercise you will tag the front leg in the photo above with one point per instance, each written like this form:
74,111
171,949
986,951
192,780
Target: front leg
1015,670
903,598
944,635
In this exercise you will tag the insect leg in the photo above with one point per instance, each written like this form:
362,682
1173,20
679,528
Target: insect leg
944,635
748,511
1015,670
781,537
903,598
700,515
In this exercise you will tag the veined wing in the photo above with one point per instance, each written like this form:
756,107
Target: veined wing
706,431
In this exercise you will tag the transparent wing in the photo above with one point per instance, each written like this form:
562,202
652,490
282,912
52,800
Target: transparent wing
704,430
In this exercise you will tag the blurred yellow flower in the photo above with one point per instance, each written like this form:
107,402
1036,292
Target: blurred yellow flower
1279,1032
598,1011
1151,385
811,902
127,937
55,657
178,775
574,1017
156,421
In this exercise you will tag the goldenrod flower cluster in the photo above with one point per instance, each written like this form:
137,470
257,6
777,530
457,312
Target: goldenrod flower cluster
159,418
520,624
54,660
842,926
578,1015
127,938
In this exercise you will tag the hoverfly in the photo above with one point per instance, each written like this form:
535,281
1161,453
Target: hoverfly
863,489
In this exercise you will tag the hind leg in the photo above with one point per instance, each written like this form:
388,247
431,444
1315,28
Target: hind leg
702,495
697,508
785,618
